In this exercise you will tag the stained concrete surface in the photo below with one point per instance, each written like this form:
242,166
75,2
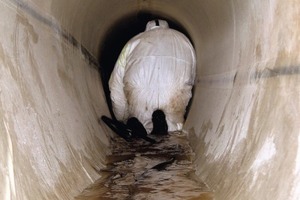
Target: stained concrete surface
244,117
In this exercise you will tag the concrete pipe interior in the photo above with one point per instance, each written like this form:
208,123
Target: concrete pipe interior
243,121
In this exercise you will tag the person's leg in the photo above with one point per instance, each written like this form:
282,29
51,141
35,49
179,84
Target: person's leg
118,127
138,130
160,126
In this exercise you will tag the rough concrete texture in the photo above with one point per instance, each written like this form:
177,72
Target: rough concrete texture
244,118
49,104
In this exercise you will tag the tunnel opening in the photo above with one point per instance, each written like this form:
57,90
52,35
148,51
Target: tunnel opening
118,35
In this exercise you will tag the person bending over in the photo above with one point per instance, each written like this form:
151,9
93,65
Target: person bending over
155,70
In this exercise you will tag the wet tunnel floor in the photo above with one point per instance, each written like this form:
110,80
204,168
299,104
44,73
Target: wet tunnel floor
142,171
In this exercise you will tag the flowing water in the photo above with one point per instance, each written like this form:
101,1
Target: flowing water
142,171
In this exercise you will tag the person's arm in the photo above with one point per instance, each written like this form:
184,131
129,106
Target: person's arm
116,86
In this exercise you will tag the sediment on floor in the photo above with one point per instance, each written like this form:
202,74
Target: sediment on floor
140,170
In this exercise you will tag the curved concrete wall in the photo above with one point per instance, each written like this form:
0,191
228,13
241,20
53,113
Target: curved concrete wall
244,119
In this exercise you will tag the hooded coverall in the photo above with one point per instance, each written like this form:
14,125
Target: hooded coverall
155,70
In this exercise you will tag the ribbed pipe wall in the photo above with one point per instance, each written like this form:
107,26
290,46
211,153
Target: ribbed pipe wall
244,120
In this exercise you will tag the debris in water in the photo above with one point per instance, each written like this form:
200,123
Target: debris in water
142,171
163,165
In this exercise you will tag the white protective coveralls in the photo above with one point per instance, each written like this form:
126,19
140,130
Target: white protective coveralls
155,70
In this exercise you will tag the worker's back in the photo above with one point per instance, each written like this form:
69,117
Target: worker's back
159,74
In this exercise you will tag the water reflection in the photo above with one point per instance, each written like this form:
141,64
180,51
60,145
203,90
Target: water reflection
144,171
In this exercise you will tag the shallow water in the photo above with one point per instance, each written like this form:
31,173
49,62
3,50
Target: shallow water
142,171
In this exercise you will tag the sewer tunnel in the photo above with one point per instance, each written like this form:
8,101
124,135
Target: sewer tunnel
243,120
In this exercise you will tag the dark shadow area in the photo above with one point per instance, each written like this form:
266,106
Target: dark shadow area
116,38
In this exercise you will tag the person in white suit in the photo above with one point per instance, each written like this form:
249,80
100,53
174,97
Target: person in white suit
155,70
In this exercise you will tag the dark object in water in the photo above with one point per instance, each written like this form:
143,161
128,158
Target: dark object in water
138,130
160,126
133,129
118,127
159,167
163,165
